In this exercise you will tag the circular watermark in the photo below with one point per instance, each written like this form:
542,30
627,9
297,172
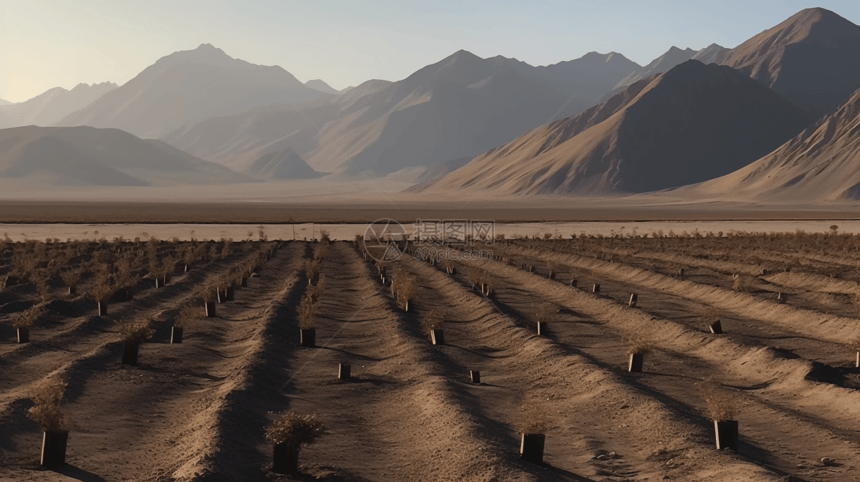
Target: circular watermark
385,240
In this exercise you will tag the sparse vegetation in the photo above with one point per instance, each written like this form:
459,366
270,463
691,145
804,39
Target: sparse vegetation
47,396
432,320
135,332
720,403
26,318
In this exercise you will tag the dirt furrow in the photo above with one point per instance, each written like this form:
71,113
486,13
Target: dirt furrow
174,392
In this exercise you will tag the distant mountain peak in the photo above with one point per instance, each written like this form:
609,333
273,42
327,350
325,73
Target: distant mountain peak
320,85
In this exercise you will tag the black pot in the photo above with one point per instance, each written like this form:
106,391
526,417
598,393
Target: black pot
531,447
541,328
343,371
23,335
73,290
229,293
103,308
637,360
437,337
209,306
595,288
716,327
551,275
573,283
244,281
129,354
176,334
727,434
681,272
54,448
285,459
475,375
633,299
187,268
308,337
159,283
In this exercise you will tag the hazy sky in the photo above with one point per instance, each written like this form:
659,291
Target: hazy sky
50,43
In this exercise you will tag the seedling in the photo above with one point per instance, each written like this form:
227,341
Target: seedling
22,321
288,434
132,335
432,324
637,348
47,395
721,408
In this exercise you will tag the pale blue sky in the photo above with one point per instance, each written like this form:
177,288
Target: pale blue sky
49,43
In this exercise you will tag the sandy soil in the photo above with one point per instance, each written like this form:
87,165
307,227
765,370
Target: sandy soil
197,411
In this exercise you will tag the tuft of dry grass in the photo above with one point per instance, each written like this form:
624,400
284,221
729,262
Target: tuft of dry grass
743,283
47,395
533,417
186,315
135,333
545,313
405,287
720,403
709,315
307,313
71,277
639,346
27,317
432,320
295,430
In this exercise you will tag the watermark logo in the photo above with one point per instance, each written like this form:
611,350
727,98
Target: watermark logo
385,240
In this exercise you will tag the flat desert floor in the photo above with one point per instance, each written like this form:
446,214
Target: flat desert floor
198,410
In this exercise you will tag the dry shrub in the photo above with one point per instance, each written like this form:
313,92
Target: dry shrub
314,292
405,288
432,320
295,430
186,315
135,333
324,236
307,313
71,277
207,293
476,275
27,317
545,313
103,289
533,417
639,346
743,283
709,315
720,403
320,251
311,268
47,395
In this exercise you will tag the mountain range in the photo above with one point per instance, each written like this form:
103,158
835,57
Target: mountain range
187,87
457,107
690,124
86,156
597,124
822,163
52,106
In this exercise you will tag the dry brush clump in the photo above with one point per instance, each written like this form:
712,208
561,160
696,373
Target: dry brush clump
432,320
533,417
311,268
46,396
307,310
720,404
639,346
743,283
135,333
405,288
72,277
295,430
545,313
26,318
